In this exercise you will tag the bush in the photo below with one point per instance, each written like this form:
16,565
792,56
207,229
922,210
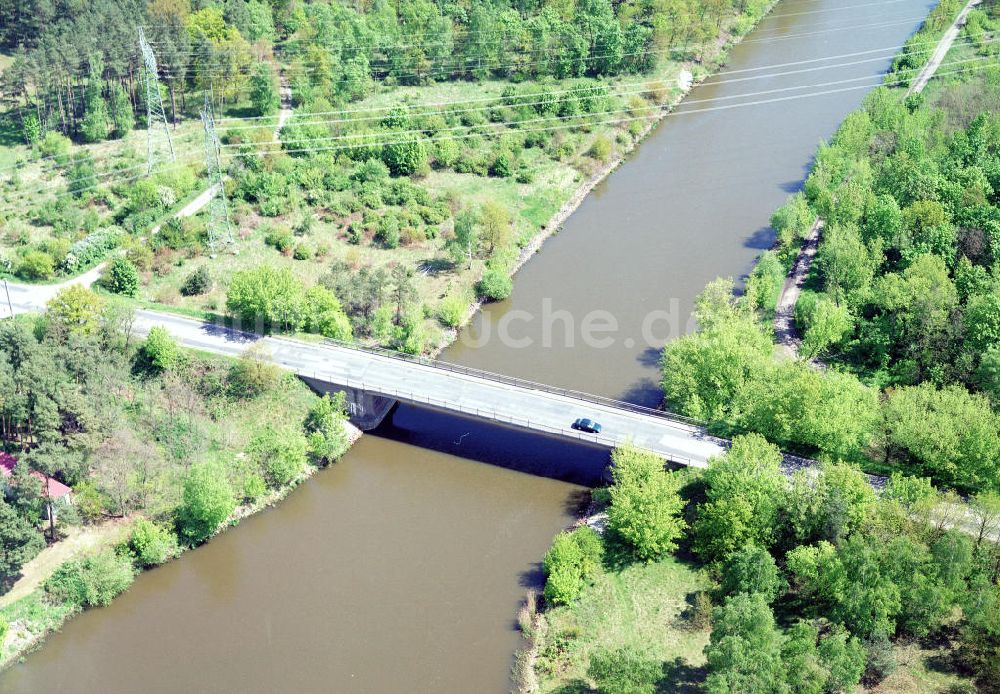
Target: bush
198,282
503,165
151,544
121,277
91,582
281,452
36,265
624,671
600,149
280,238
571,561
206,502
495,285
254,487
159,352
252,374
452,309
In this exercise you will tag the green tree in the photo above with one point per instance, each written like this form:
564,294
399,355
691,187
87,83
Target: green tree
207,501
25,493
267,296
121,277
947,434
494,227
325,427
751,570
94,126
744,651
75,310
19,542
827,323
744,489
704,373
121,111
645,506
464,241
325,316
264,95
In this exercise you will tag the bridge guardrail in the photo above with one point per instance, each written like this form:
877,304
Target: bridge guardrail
511,380
410,396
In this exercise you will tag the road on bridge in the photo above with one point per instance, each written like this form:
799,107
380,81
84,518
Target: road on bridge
484,396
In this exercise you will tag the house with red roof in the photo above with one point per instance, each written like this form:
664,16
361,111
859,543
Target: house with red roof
53,490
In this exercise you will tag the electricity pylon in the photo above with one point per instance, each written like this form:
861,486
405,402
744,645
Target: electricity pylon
219,229
156,117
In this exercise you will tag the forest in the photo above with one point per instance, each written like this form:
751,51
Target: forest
422,147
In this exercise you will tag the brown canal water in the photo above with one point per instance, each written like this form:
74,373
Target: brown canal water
400,568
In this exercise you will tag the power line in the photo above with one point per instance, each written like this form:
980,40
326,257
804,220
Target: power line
614,121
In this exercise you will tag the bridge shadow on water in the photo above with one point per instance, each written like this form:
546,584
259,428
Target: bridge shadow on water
504,446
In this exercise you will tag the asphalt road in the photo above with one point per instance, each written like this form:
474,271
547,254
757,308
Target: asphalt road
526,407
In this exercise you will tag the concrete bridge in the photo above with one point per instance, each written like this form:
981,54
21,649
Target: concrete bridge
375,380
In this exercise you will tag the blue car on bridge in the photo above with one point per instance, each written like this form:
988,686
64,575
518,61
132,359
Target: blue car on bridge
587,425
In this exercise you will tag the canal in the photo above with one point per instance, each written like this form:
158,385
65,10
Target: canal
400,568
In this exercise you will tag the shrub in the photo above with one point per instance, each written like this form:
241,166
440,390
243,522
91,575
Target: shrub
121,277
36,265
280,238
91,582
325,427
159,352
198,282
206,502
404,157
453,308
252,374
151,544
503,165
254,487
571,561
624,671
600,149
281,451
304,251
495,285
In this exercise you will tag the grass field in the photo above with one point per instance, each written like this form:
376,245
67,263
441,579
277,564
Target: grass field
641,605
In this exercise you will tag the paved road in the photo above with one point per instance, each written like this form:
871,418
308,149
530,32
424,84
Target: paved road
524,406
944,45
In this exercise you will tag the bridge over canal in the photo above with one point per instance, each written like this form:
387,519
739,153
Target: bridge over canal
376,380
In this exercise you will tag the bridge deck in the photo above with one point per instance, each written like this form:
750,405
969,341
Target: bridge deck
476,394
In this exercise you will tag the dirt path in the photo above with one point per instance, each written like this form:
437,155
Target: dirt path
286,107
785,333
78,540
944,45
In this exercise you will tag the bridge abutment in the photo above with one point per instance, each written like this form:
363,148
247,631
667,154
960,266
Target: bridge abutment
366,410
